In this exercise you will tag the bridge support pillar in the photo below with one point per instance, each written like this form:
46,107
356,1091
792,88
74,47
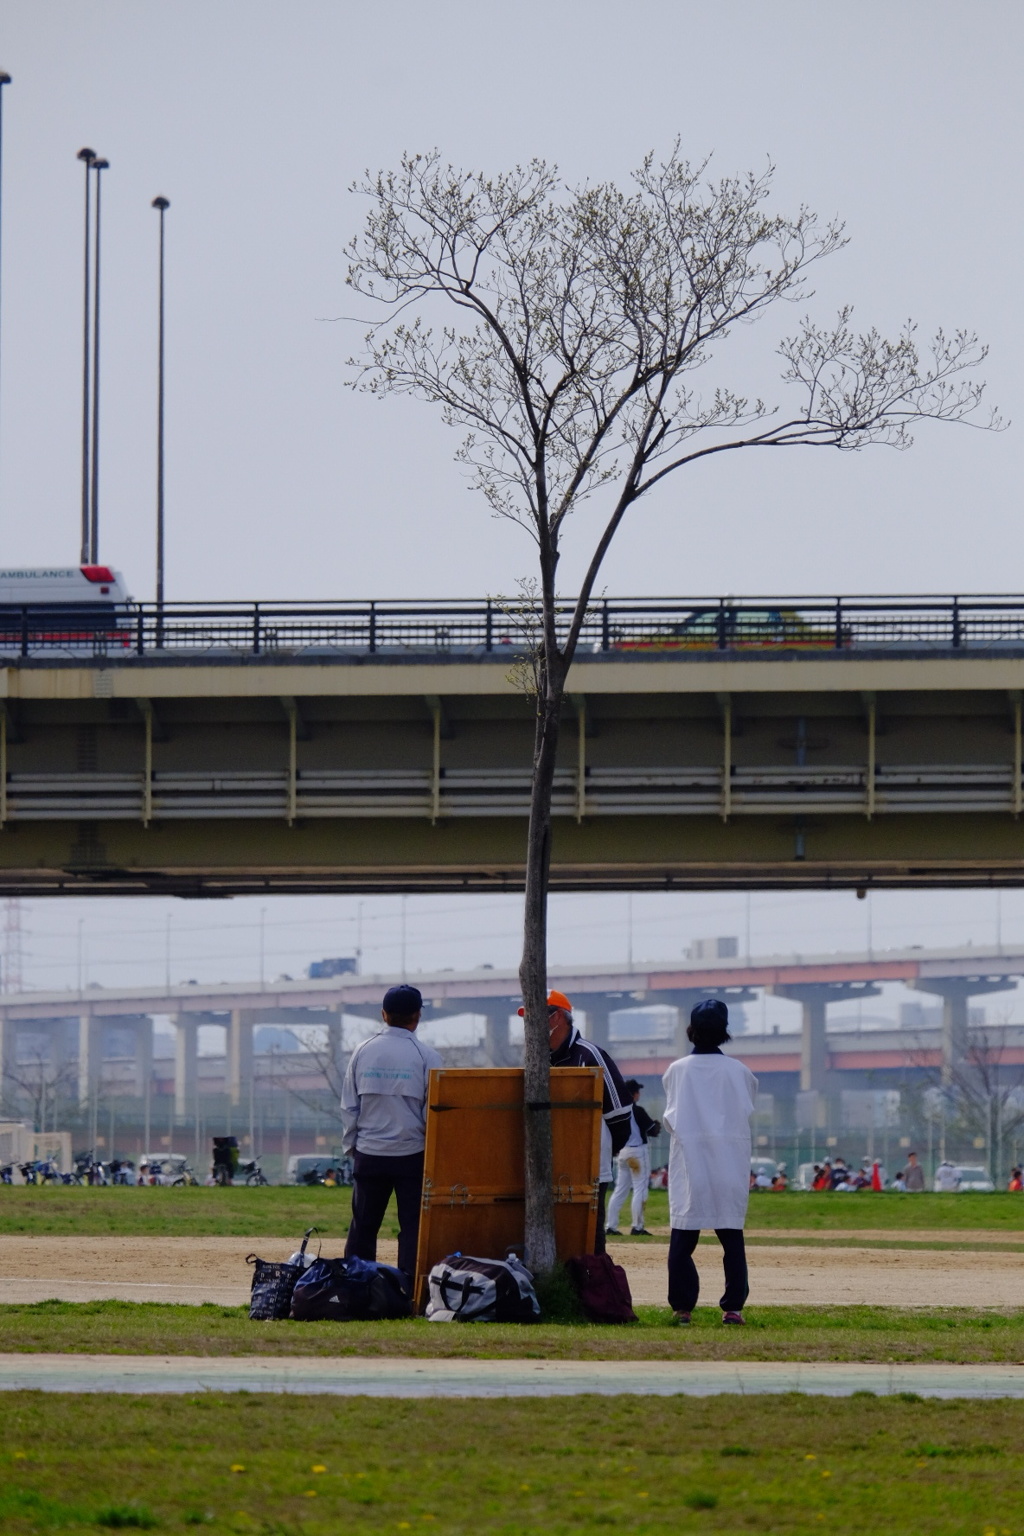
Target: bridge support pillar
597,1010
7,1028
499,1048
334,1042
186,1064
143,1056
814,998
90,1038
956,993
63,1034
239,1054
813,1044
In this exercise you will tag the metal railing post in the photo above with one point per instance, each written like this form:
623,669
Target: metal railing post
373,626
24,631
489,640
721,624
140,633
956,623
839,624
256,639
606,639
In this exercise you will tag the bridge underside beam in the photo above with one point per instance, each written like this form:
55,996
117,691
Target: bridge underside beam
244,857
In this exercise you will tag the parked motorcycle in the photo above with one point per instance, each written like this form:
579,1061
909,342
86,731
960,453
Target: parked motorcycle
42,1171
88,1170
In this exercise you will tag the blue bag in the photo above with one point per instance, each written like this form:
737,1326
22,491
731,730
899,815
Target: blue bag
350,1290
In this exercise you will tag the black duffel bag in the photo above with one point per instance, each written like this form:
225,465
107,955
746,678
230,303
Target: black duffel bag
272,1284
348,1291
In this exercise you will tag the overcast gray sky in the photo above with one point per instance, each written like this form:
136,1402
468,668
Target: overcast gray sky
253,116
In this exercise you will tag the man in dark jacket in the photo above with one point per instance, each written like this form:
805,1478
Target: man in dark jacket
569,1049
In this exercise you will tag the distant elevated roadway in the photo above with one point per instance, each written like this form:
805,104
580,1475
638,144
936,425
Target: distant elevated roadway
77,1020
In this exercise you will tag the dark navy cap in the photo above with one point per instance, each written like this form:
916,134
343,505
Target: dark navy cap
632,1086
402,1000
711,1011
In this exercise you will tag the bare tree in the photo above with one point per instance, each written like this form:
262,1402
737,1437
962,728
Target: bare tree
318,1059
986,1095
576,321
42,1085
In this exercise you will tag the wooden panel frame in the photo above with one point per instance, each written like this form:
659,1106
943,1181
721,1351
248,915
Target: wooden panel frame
473,1181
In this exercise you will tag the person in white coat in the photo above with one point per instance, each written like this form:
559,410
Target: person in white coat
709,1101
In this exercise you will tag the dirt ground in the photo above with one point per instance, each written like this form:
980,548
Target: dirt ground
194,1270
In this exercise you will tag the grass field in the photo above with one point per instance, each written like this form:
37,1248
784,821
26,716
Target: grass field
287,1211
280,1466
871,1334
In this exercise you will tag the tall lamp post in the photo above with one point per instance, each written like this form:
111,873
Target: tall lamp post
87,156
162,205
94,511
5,79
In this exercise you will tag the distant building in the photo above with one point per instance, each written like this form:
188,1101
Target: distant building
727,948
340,965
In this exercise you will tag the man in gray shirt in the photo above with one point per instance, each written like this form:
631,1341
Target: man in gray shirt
913,1174
383,1111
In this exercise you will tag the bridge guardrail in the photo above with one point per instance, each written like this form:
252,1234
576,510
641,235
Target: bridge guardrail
621,627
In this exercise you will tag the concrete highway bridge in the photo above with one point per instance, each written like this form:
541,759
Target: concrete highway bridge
75,1026
762,743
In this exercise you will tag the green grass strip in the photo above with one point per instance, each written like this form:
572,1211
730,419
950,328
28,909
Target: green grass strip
280,1466
286,1212
870,1334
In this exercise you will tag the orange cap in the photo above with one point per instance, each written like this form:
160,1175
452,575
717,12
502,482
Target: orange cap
555,1000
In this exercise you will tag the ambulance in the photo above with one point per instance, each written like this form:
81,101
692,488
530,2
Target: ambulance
64,608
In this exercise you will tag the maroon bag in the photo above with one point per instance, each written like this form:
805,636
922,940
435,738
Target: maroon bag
602,1288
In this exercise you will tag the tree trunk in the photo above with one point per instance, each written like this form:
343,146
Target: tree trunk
533,978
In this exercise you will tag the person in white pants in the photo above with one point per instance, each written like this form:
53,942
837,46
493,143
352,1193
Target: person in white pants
633,1168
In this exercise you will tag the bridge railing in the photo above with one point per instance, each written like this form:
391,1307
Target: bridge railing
613,626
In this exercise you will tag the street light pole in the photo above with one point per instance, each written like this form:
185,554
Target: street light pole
94,512
5,79
87,156
162,204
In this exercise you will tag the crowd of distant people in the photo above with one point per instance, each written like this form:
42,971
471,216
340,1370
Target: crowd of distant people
834,1174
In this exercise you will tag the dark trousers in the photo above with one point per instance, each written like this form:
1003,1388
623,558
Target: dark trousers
683,1280
374,1180
602,1199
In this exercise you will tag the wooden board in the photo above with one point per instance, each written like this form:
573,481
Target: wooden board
473,1195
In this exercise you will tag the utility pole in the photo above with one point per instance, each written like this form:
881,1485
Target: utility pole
263,919
87,156
99,166
5,79
162,205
